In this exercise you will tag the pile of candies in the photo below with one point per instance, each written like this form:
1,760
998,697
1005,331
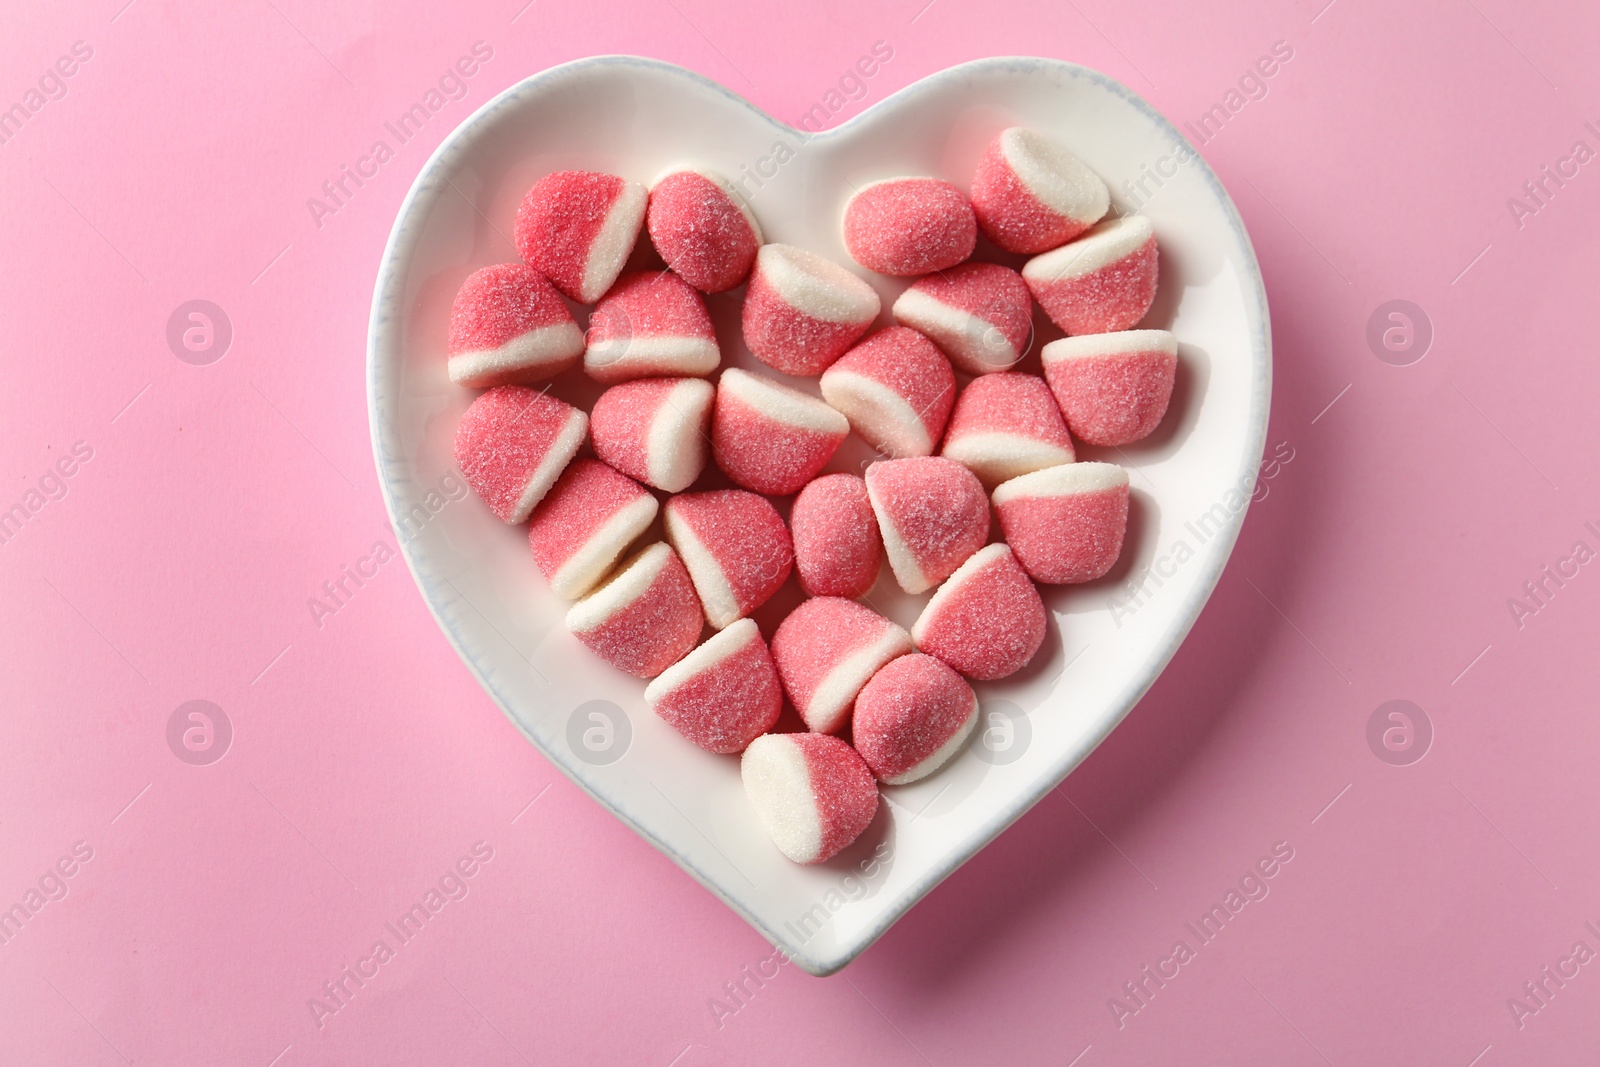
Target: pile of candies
1003,441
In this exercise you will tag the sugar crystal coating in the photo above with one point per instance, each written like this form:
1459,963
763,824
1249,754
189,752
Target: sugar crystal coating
1100,283
932,513
702,228
509,326
724,694
736,548
909,226
979,314
654,429
837,547
1005,425
896,389
986,620
826,649
578,227
511,445
650,324
644,617
589,517
911,717
1031,195
802,311
1113,388
813,794
1065,524
770,438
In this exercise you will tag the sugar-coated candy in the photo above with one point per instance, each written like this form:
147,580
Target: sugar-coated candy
511,445
837,547
644,617
724,694
654,429
911,717
586,521
1005,425
986,620
1030,194
578,228
508,326
735,546
802,311
826,649
979,314
1113,388
769,437
813,794
703,229
1101,282
896,389
909,226
932,513
650,324
1065,524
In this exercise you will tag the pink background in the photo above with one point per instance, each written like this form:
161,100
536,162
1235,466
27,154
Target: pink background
365,760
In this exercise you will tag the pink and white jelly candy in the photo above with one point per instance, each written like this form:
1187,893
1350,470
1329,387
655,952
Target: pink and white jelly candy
909,226
650,324
1030,194
509,326
813,794
724,694
769,437
644,617
896,389
837,547
1102,282
979,314
511,445
912,717
986,620
703,229
1113,388
1065,524
802,311
1005,425
932,513
577,227
826,649
735,546
654,429
586,521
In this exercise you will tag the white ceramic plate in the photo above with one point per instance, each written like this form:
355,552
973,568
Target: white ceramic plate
636,117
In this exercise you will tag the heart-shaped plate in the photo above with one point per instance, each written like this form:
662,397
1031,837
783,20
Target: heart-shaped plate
1108,640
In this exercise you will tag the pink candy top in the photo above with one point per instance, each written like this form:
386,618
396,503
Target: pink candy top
981,314
559,223
499,303
584,499
912,367
744,535
837,549
846,794
936,508
649,303
909,226
987,621
701,231
729,702
509,437
909,710
1010,403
